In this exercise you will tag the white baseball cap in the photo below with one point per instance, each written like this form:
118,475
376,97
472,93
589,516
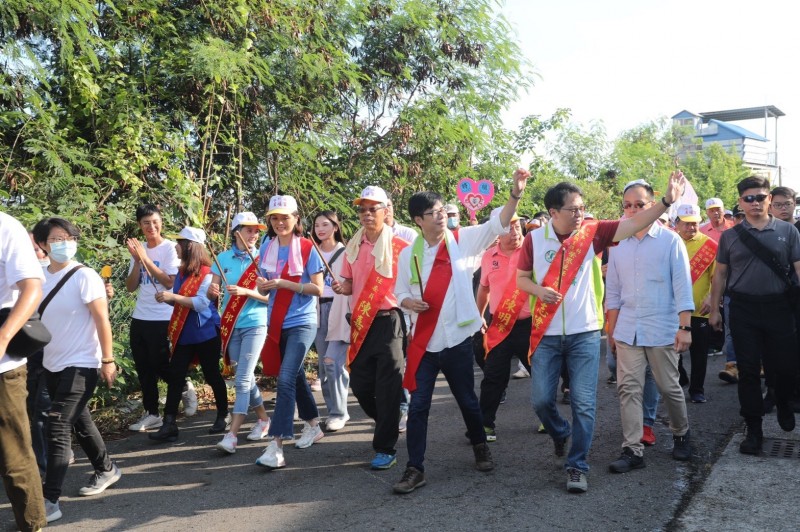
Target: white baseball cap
689,213
450,209
192,233
372,193
247,218
714,202
282,205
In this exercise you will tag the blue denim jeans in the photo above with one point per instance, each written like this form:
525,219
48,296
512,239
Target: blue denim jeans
582,354
456,364
292,384
333,375
244,349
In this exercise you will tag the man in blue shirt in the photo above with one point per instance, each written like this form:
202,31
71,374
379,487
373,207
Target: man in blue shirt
649,301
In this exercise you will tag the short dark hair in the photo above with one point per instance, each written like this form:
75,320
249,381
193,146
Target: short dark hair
555,197
541,214
753,181
784,191
148,209
422,201
42,229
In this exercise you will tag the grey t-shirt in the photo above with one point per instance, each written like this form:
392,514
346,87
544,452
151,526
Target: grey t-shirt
747,274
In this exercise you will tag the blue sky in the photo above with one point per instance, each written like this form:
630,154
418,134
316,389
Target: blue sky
627,62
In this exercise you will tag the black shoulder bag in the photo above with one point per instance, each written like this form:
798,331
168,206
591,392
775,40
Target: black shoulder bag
33,335
767,257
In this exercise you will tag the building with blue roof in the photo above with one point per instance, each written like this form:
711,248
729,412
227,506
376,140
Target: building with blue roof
757,151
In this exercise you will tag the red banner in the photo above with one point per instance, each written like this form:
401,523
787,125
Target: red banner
179,312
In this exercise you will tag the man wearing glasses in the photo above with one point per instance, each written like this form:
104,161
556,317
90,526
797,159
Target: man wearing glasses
717,223
783,204
558,268
375,355
434,283
650,304
754,263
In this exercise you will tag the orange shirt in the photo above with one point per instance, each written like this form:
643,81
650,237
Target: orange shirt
496,274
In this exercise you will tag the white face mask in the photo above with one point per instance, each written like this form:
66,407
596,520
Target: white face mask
452,223
63,251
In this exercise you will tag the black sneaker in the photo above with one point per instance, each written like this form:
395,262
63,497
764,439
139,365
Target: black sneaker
612,379
752,443
412,479
560,445
483,457
626,462
681,449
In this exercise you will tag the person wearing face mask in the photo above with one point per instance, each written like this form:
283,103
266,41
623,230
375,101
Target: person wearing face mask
79,355
453,222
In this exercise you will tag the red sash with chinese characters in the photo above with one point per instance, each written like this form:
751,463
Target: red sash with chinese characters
435,290
507,310
369,302
179,313
271,352
559,277
231,313
702,258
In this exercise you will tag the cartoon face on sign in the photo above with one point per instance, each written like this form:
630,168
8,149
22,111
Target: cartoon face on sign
475,195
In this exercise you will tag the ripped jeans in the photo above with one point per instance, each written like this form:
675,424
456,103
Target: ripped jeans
333,375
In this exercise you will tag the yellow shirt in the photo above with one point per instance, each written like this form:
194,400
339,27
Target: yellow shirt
702,286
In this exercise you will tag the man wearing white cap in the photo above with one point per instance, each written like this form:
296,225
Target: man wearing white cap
434,283
702,252
452,217
375,355
715,210
649,301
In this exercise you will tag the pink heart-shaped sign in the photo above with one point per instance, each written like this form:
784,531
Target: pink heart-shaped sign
475,195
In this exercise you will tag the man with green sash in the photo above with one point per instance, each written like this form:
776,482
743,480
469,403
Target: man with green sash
434,283
558,268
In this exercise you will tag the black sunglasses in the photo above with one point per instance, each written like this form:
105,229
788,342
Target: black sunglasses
750,198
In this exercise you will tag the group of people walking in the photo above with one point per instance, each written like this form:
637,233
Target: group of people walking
390,309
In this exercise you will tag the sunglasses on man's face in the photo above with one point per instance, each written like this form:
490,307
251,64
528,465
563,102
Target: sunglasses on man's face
750,198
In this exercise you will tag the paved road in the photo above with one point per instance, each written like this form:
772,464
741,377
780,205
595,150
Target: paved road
190,486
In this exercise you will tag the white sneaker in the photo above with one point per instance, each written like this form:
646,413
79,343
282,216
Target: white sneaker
51,511
403,425
309,437
316,386
189,398
335,423
521,373
272,457
228,443
147,421
101,481
259,431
